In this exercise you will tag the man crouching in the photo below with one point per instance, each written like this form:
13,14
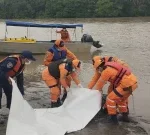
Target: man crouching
56,74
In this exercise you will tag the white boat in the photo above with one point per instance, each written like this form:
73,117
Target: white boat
16,45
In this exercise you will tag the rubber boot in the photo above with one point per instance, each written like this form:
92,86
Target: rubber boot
56,104
113,119
53,104
1,121
125,117
64,97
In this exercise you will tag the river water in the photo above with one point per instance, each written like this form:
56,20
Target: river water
126,38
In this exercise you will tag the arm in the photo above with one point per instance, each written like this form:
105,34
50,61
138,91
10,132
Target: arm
48,58
105,76
63,74
94,80
75,78
7,65
70,55
20,83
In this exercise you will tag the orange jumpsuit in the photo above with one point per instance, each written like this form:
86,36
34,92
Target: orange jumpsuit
64,35
49,56
97,74
120,93
58,74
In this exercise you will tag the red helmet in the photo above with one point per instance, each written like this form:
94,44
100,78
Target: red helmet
97,62
76,63
59,43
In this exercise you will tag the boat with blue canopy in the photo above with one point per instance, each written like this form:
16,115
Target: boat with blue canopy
30,24
16,45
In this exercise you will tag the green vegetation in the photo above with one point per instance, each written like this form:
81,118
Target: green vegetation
17,9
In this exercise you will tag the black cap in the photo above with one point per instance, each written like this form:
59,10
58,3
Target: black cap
28,55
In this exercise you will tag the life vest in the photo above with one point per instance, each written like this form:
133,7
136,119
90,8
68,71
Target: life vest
64,34
18,68
53,67
58,55
121,72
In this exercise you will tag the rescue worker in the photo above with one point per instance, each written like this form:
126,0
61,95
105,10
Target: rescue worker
13,66
123,82
64,34
57,72
98,74
57,52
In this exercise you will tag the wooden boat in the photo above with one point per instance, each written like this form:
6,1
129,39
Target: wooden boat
16,45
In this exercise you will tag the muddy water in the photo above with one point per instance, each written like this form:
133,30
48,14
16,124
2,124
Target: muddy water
126,38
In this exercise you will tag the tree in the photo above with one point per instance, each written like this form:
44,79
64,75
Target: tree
108,8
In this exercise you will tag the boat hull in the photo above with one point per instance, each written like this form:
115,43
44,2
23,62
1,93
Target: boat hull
41,47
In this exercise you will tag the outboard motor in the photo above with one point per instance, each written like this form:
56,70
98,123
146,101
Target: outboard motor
86,38
97,44
96,48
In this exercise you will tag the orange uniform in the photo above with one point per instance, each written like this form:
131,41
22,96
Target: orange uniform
98,74
58,72
58,52
124,83
64,35
50,55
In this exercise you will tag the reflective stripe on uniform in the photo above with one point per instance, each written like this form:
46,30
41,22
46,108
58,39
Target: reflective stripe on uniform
122,106
111,106
110,100
53,100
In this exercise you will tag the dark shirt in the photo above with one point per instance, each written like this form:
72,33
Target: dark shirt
7,65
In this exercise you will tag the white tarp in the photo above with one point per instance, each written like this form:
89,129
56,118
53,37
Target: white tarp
78,109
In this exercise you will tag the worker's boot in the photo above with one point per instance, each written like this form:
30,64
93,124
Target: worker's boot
113,119
64,97
1,119
56,104
124,117
53,104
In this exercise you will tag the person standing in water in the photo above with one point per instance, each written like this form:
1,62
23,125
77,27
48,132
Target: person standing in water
64,34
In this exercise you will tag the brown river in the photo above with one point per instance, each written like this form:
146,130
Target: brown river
126,38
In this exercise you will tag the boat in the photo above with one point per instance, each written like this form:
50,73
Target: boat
17,45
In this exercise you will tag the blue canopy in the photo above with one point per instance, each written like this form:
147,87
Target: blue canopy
30,24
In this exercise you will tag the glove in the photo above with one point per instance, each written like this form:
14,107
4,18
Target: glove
67,89
9,80
80,85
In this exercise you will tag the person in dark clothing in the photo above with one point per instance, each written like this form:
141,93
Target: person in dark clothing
13,66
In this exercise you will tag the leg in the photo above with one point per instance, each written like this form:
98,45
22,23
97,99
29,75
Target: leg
0,97
111,103
7,87
123,104
104,106
68,81
52,83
